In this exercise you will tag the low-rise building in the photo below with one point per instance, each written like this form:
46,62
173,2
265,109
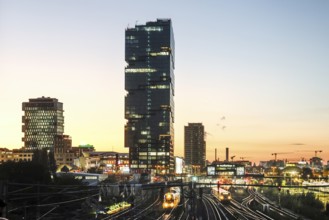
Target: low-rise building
104,161
63,152
15,155
226,169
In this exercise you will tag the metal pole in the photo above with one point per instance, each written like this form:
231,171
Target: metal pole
3,194
38,202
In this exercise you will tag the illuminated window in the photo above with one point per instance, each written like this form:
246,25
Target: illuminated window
145,132
154,54
140,70
153,28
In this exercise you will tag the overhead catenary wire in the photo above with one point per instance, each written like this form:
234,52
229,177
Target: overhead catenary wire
47,212
19,190
59,193
50,185
54,204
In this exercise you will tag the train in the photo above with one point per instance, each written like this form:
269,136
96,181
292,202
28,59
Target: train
171,199
118,207
223,195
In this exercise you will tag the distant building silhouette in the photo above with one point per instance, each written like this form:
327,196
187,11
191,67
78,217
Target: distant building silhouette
149,104
43,120
63,152
195,146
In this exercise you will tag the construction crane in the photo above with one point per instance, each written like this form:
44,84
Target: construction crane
320,151
275,154
242,158
315,151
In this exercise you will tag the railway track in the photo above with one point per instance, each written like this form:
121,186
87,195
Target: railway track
272,206
212,209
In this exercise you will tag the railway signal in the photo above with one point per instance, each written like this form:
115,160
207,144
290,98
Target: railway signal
279,188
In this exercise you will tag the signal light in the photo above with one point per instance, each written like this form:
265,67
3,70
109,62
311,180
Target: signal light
279,188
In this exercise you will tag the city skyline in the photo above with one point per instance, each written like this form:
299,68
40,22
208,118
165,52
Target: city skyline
254,73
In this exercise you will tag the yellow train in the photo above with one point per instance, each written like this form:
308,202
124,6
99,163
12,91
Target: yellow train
172,198
118,207
223,195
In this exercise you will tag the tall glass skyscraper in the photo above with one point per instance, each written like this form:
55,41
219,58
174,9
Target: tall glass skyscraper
43,120
149,104
195,146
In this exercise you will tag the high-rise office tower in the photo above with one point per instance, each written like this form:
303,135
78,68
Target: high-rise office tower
149,104
43,120
195,146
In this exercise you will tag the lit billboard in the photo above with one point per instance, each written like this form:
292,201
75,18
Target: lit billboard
179,164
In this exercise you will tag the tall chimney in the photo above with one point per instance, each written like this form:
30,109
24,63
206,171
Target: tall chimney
215,154
227,154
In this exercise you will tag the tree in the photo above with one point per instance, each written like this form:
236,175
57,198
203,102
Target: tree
2,205
307,173
24,172
65,169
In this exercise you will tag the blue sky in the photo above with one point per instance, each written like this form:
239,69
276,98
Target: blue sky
261,64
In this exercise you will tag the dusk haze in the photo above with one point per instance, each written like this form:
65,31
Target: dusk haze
254,73
164,110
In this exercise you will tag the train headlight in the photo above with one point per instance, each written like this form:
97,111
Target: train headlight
221,197
229,197
168,196
171,204
165,205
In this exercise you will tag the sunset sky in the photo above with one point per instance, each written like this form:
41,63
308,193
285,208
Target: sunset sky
255,73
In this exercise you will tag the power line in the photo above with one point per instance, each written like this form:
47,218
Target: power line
57,203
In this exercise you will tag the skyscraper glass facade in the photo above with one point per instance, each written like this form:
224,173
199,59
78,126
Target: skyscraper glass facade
195,146
43,119
149,104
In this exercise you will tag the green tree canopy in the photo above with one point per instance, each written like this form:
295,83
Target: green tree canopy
24,172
